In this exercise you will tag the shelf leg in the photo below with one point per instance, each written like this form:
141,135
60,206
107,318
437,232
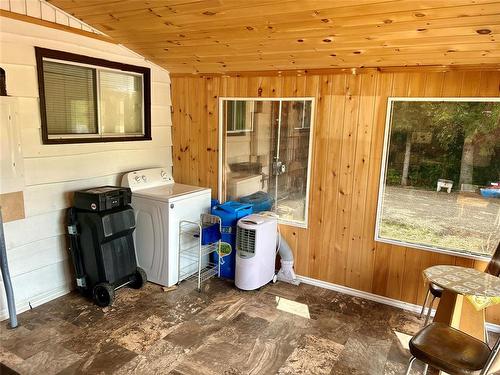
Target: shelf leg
179,255
218,259
199,262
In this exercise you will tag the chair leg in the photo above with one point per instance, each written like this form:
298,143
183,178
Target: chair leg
425,302
492,358
426,367
408,369
429,311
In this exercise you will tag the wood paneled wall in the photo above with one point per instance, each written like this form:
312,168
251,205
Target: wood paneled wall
338,246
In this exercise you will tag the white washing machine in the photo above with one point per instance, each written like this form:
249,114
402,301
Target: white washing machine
159,204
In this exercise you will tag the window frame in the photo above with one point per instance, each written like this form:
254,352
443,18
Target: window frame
383,174
221,154
42,54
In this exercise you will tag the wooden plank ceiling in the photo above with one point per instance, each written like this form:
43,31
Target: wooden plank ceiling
224,36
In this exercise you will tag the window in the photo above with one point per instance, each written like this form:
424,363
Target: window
239,117
439,187
271,154
85,99
303,110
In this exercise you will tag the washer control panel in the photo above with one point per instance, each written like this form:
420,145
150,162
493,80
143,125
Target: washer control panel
147,178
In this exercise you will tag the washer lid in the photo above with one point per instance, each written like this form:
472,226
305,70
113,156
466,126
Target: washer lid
166,192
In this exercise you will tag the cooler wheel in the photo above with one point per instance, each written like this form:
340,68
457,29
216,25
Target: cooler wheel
139,279
103,294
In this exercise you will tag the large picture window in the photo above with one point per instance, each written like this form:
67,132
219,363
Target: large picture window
439,187
85,99
269,159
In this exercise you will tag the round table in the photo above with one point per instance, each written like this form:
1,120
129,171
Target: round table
466,293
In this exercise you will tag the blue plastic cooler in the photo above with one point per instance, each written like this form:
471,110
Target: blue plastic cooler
229,212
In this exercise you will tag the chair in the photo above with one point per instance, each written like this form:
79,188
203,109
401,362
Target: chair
493,268
436,292
452,351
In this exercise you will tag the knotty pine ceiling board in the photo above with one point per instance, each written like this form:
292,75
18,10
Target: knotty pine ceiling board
227,36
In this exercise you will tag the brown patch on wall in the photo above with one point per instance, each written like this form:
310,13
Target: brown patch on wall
12,205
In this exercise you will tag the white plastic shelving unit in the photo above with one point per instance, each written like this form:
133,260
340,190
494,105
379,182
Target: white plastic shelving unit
197,262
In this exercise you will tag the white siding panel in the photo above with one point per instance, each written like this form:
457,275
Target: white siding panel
35,228
35,35
39,286
37,255
62,18
113,54
33,147
29,113
15,53
74,23
40,199
18,6
76,167
33,8
160,93
48,13
21,80
159,75
161,115
5,4
11,156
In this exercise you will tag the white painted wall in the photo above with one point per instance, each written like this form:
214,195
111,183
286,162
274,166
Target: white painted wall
37,253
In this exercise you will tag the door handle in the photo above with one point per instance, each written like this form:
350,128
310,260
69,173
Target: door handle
278,167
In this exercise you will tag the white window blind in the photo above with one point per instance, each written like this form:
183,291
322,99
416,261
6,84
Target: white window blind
70,98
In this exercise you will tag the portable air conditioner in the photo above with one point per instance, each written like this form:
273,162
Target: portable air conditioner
255,251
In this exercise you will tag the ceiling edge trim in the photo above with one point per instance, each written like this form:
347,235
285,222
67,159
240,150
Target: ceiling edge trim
354,71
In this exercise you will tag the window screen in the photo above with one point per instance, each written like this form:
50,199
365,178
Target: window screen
70,98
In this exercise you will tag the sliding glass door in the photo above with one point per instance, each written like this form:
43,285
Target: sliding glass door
265,147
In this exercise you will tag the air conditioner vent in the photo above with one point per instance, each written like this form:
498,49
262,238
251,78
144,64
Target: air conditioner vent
245,240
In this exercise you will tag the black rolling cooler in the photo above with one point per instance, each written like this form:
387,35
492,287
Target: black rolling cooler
100,228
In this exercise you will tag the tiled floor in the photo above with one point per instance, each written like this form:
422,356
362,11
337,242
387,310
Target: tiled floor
219,331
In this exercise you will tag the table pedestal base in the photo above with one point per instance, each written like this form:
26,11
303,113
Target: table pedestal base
456,311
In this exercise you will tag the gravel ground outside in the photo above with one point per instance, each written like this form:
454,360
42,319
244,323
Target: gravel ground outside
458,221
